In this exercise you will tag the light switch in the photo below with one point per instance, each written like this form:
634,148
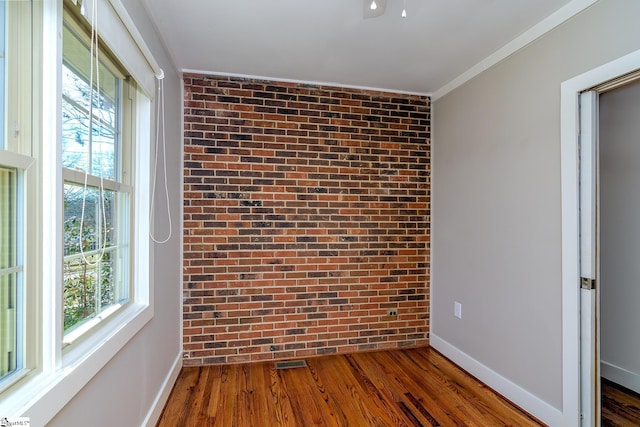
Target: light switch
457,309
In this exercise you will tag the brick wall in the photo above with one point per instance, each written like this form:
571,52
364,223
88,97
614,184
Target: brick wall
306,218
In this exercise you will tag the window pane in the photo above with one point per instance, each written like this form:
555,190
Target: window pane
95,278
97,154
78,150
89,287
3,49
76,55
9,272
96,223
96,212
9,322
76,89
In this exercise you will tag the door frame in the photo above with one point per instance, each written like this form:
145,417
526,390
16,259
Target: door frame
573,390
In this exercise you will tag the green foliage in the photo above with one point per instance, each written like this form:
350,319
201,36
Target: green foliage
87,287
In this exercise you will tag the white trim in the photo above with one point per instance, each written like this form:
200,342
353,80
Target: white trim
432,189
163,394
78,177
121,11
569,130
50,157
618,375
181,223
45,395
304,82
552,21
588,156
570,256
587,148
118,31
521,397
15,160
57,378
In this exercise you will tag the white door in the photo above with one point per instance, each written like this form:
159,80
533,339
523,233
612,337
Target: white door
579,158
589,260
609,242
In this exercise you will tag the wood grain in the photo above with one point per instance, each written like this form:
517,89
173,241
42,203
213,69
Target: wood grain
620,406
417,387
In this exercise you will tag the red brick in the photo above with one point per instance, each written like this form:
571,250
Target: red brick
310,218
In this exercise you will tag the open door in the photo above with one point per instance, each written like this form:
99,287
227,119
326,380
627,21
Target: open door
589,271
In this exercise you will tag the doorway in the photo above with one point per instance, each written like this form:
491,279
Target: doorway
587,233
619,250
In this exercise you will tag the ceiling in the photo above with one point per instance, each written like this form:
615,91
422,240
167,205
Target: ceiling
328,41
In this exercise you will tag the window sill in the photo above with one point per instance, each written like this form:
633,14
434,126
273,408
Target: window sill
77,333
41,396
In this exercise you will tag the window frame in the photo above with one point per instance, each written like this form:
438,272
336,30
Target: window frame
18,151
22,165
55,376
120,184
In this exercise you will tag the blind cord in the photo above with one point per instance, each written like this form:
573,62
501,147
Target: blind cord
160,126
94,62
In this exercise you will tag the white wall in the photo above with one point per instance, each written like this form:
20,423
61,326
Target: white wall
620,234
124,391
496,204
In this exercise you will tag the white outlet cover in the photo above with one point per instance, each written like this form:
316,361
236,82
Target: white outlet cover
457,309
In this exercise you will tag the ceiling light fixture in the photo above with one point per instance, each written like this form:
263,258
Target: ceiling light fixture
376,8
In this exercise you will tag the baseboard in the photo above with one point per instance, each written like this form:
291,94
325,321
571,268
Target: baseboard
163,394
519,396
618,375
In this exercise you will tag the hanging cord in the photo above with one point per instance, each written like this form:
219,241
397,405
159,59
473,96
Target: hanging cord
94,63
160,127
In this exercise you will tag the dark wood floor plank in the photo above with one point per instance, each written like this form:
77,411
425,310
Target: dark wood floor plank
485,405
445,392
381,369
446,406
416,387
620,406
378,394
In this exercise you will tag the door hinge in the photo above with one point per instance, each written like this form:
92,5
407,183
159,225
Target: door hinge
588,284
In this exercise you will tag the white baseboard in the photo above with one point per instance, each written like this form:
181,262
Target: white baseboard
163,394
521,397
618,375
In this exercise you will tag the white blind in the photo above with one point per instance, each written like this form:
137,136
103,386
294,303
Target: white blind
119,32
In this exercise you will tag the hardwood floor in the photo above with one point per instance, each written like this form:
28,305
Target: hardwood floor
416,387
620,406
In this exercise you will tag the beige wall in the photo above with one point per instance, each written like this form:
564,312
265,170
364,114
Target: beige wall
496,199
620,235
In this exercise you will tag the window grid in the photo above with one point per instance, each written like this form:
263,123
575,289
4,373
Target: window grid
96,201
10,273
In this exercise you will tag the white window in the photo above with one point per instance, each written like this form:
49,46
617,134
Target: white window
11,270
97,190
15,161
75,281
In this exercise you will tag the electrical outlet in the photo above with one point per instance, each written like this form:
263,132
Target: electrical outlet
457,309
392,312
